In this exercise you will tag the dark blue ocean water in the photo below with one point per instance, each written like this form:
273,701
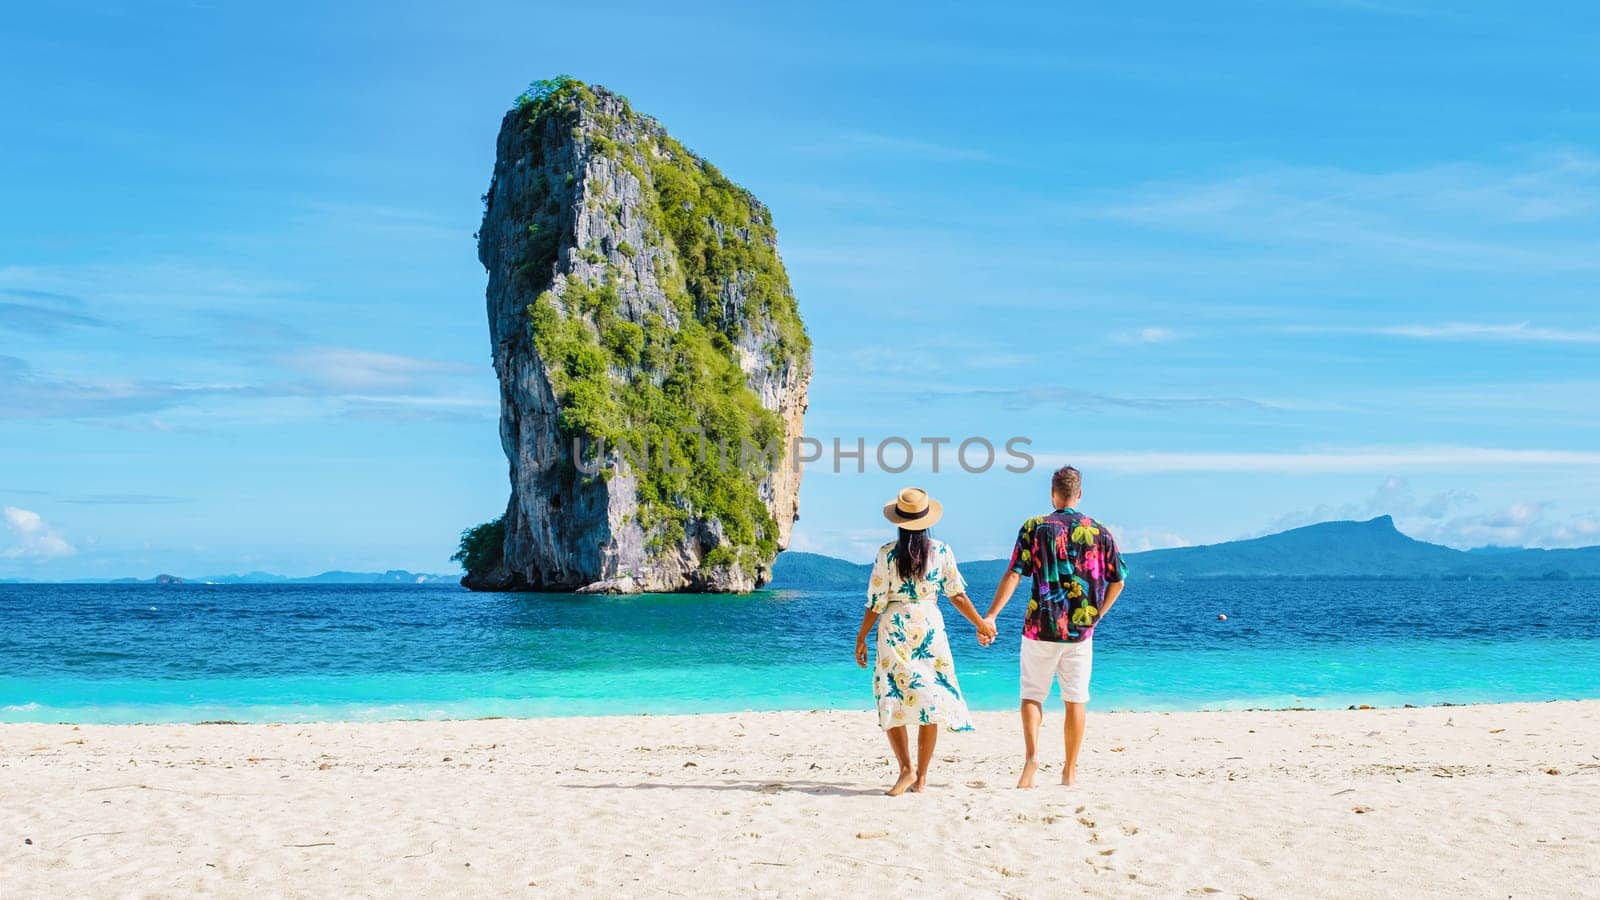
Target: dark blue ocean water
146,653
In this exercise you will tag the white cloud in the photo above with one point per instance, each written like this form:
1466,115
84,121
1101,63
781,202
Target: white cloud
1138,540
1524,523
1448,518
33,537
1393,497
1145,336
856,545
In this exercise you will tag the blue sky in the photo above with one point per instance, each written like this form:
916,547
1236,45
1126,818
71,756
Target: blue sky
1251,264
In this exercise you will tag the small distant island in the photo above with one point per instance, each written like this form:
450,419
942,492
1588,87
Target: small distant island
1374,548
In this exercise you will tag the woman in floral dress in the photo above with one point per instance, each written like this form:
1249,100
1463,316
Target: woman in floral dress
915,677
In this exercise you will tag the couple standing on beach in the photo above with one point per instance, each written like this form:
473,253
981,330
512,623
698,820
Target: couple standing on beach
1077,574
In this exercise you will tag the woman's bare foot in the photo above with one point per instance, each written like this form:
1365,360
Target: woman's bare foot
905,781
920,785
1030,768
1069,777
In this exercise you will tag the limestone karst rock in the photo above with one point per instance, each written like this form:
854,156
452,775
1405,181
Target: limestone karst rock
638,313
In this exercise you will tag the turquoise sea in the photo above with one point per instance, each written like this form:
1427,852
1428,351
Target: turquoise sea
183,653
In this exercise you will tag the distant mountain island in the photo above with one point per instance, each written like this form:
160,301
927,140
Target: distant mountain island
1370,549
393,576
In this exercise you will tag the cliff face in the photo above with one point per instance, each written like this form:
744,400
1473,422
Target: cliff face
637,304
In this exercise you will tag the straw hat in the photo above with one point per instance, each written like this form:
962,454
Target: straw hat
913,510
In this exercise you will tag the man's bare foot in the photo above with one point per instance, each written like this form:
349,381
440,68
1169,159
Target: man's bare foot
1030,768
920,785
1068,779
905,781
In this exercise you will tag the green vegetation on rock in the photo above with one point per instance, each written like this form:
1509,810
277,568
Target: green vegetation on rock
539,93
722,235
481,548
680,384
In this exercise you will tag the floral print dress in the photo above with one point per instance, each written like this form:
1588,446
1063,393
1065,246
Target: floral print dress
914,678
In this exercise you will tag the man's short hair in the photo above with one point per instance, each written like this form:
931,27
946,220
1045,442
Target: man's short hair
1067,482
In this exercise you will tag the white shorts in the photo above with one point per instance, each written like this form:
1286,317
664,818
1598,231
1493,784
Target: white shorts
1069,663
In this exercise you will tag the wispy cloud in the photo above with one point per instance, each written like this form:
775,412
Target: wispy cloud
126,499
148,286
958,353
365,370
903,52
1470,216
326,383
209,346
1377,7
904,147
43,312
233,327
1464,331
381,221
420,409
1332,460
32,537
26,394
1065,398
160,304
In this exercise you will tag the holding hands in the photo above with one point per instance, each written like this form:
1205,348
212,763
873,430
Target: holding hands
987,629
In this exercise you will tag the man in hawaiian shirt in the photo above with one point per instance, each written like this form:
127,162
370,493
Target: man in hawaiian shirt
1077,574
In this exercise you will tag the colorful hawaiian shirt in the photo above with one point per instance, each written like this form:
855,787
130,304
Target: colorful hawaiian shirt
1071,559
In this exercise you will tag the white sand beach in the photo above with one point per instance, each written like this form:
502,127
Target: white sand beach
1496,800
